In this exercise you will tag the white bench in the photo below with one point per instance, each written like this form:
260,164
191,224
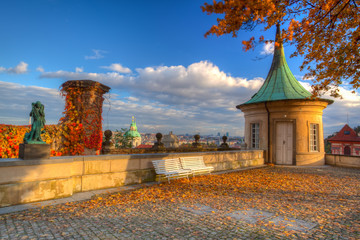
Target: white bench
196,165
171,169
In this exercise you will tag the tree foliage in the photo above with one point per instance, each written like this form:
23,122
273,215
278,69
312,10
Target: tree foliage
327,144
325,32
11,136
357,129
122,140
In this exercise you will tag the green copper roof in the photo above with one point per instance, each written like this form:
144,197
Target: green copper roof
280,84
132,132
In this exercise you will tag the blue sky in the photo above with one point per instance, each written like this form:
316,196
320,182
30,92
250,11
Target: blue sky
152,54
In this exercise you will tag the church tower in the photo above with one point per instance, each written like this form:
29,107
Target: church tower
133,134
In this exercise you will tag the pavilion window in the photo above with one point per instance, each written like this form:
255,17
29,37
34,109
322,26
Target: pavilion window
314,137
255,139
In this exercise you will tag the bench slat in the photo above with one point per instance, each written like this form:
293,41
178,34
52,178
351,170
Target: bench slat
196,164
171,168
183,167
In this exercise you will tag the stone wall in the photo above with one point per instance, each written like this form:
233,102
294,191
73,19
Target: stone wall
24,181
342,161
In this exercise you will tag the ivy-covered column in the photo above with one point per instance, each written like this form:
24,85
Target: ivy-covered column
82,121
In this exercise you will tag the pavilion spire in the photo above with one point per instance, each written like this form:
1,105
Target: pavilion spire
280,83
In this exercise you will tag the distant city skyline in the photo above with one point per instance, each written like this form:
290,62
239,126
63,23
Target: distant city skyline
154,57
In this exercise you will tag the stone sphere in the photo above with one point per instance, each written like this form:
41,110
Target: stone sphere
108,133
158,136
197,137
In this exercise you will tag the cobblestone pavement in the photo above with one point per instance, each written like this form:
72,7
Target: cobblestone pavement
245,214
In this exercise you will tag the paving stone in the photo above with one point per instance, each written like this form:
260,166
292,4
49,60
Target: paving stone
82,195
293,224
199,209
163,219
250,215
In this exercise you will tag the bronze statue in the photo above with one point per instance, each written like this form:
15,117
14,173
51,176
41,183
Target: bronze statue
38,122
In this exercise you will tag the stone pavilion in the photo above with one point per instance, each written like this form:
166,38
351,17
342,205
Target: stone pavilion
283,119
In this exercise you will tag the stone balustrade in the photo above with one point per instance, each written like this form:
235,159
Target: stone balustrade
342,160
24,181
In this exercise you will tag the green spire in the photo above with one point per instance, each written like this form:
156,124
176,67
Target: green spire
133,124
280,84
132,132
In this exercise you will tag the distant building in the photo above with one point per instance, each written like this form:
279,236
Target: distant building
171,141
345,142
282,119
133,134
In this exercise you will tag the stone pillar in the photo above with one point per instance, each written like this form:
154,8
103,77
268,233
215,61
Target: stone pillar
84,100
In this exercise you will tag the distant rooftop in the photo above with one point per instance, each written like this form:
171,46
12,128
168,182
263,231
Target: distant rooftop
346,134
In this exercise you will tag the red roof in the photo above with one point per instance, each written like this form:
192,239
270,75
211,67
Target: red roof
144,146
346,134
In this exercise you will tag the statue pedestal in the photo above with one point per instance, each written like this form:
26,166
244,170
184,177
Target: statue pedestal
34,151
196,145
224,146
106,148
158,146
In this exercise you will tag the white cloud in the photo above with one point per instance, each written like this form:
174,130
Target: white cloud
40,69
134,99
79,69
104,78
97,54
117,67
306,85
200,84
184,99
268,49
199,96
21,68
335,115
303,78
178,98
16,99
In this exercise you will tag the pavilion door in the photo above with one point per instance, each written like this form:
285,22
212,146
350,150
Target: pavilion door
284,143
